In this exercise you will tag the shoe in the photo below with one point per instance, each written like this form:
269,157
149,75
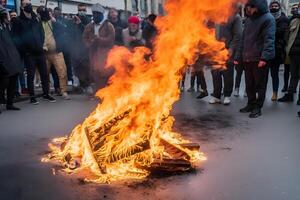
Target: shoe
191,89
66,96
284,89
214,100
11,107
89,91
33,101
202,95
182,88
274,96
255,113
58,92
246,109
70,83
49,98
299,114
226,101
287,98
236,92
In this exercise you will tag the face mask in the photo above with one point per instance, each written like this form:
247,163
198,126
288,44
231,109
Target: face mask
294,12
98,17
274,10
28,8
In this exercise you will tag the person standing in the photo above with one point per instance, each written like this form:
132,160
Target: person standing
258,49
10,63
32,37
293,51
132,36
149,31
114,19
53,46
99,38
282,23
231,33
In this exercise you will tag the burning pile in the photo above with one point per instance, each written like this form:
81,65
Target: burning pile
130,133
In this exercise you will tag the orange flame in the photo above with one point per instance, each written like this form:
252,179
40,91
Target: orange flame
137,102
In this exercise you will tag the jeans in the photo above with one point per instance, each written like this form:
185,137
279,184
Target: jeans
274,68
218,82
199,74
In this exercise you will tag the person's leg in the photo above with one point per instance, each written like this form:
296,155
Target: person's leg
228,79
286,77
193,77
3,85
55,79
30,67
68,62
261,81
202,80
11,90
238,77
250,87
217,83
274,68
61,69
42,68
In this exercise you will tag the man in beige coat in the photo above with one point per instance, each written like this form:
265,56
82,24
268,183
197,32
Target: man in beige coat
99,37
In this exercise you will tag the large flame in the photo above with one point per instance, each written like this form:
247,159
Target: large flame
134,116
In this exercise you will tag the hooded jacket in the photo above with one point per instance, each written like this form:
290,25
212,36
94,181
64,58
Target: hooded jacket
259,34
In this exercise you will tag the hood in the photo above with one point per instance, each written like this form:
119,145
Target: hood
261,5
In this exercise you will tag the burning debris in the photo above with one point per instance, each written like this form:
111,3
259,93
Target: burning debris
129,135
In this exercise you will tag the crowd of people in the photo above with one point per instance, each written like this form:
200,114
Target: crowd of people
46,45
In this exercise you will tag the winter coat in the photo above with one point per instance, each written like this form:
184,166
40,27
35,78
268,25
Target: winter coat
282,25
31,34
259,34
231,33
131,44
99,45
149,33
10,62
293,44
118,26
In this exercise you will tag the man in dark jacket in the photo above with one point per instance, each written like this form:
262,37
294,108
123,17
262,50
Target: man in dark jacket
10,63
258,49
149,31
231,34
32,38
282,23
293,51
114,19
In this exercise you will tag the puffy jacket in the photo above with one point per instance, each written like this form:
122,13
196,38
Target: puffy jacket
259,34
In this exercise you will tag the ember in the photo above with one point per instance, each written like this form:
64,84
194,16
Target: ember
129,135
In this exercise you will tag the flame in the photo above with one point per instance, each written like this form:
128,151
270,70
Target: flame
126,130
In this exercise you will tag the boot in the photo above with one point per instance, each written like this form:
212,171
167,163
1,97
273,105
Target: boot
287,98
246,109
275,96
255,113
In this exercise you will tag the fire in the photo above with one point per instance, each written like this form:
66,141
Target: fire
130,132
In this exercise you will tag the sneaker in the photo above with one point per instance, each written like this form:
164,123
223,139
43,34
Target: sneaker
236,92
287,98
89,91
11,107
246,109
182,88
49,98
202,95
226,101
191,89
70,83
274,96
66,96
255,113
214,100
33,101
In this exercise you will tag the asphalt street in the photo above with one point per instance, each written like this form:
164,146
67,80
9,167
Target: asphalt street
248,159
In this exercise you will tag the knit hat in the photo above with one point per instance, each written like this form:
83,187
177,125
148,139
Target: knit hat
98,8
133,20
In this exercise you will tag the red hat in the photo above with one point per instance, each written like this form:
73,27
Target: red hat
133,20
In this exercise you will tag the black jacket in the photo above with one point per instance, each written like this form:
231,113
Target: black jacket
10,63
295,49
149,34
282,25
259,34
31,34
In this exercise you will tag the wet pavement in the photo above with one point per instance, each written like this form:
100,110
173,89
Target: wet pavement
248,159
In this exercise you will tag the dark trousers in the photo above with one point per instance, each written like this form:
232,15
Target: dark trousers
239,72
54,77
38,62
274,68
286,76
256,83
68,62
295,73
227,75
8,84
199,74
